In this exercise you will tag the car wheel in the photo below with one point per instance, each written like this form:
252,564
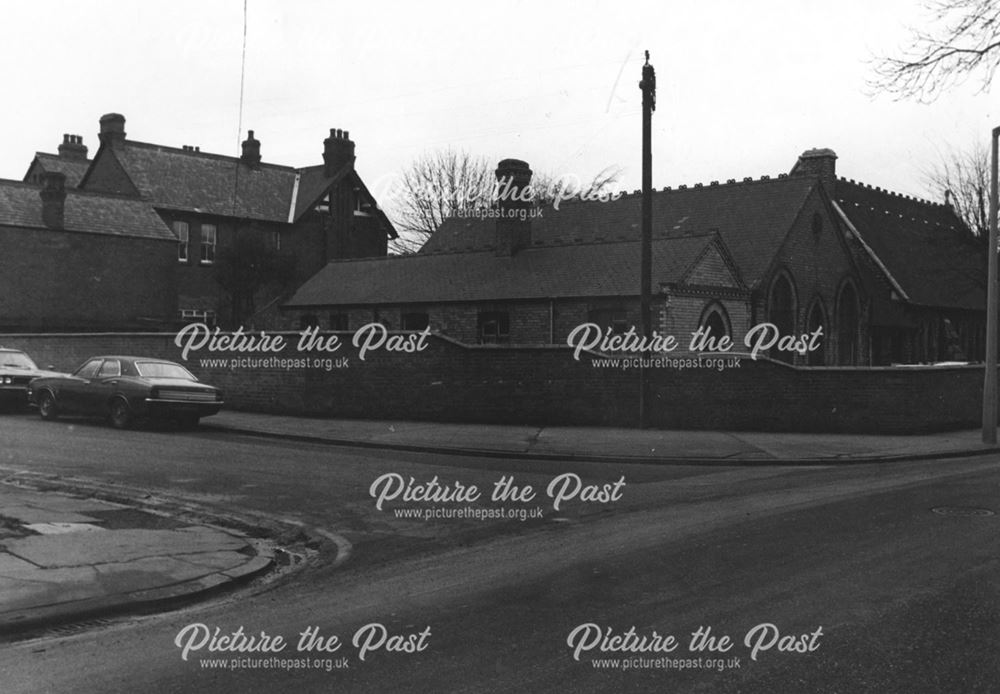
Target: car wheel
120,415
47,406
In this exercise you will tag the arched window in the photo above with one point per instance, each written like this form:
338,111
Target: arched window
815,319
715,320
781,312
848,313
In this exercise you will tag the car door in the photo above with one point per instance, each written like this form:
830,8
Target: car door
97,393
72,391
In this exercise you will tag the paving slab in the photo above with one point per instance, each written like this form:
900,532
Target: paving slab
77,549
76,570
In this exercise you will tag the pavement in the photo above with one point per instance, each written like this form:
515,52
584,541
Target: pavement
609,444
67,559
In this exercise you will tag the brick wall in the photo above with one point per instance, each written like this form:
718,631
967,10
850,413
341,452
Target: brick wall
60,280
545,385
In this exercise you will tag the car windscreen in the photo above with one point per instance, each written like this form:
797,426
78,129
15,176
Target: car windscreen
162,369
17,360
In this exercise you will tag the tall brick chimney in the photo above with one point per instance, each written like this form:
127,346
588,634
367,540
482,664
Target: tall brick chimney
112,129
53,196
72,147
818,162
251,150
514,221
338,151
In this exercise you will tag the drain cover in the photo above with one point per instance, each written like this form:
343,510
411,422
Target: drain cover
963,511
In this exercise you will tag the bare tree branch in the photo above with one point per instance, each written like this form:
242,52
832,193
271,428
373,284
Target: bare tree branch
963,178
449,183
966,41
436,186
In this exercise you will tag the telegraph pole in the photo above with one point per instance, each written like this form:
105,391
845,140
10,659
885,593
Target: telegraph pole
648,87
990,379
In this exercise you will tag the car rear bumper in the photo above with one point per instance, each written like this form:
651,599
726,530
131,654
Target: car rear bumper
161,407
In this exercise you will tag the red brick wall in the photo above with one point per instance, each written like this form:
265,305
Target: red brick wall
545,385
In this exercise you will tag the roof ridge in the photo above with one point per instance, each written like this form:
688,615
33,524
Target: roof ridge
765,178
891,193
206,155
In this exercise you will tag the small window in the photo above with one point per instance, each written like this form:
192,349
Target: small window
111,368
277,240
494,327
614,318
338,321
183,234
817,224
208,241
198,315
415,321
88,370
308,320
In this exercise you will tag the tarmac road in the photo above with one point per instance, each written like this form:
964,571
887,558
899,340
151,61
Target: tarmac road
906,598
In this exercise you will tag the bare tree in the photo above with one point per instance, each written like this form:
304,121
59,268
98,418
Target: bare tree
965,40
436,186
549,188
453,183
963,178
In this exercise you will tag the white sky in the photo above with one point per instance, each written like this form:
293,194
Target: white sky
743,87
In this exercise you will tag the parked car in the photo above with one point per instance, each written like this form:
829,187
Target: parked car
124,389
17,370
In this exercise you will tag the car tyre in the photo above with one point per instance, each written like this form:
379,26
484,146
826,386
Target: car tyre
120,414
47,406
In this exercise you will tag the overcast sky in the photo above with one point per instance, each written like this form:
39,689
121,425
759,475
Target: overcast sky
743,87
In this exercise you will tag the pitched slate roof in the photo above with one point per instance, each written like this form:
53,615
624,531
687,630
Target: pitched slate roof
196,181
583,270
752,217
923,246
21,206
74,169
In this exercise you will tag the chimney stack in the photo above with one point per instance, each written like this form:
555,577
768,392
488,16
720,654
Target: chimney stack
251,151
514,200
72,147
112,129
821,163
53,196
338,151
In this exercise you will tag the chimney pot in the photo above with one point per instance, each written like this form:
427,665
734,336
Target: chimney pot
514,200
72,147
251,150
338,151
112,129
